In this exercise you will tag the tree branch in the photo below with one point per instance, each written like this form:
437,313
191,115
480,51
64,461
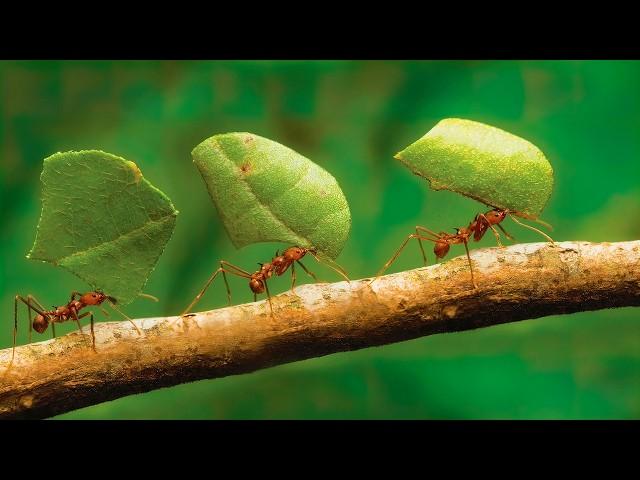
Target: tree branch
516,283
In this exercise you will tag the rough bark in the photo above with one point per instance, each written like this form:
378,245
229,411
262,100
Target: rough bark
519,282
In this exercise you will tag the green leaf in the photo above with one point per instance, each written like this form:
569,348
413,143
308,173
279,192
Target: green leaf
483,162
266,192
102,221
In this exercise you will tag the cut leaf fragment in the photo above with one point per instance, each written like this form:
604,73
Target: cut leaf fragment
485,163
266,192
102,221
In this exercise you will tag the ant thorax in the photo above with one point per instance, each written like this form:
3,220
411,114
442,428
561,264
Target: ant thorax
280,264
62,312
266,270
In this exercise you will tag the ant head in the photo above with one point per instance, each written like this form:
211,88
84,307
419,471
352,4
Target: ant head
96,298
40,323
498,214
295,253
106,297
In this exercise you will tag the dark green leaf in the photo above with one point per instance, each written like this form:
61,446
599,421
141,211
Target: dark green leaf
102,221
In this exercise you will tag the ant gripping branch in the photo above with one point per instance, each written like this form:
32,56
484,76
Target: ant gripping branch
258,280
478,227
69,311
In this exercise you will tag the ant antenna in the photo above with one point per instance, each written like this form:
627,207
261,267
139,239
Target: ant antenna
113,305
544,224
533,228
326,261
149,297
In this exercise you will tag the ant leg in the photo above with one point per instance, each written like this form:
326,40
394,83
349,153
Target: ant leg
268,296
201,292
93,335
429,232
53,330
473,280
77,318
236,270
424,255
495,232
15,327
231,269
226,284
75,294
31,301
255,297
29,320
29,317
293,277
34,301
497,235
36,308
395,255
506,234
309,272
532,228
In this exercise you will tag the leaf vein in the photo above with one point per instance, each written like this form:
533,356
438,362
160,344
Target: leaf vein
131,233
267,207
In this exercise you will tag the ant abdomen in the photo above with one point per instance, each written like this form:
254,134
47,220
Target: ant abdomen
40,323
441,249
256,286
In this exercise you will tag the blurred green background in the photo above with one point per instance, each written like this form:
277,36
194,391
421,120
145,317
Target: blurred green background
351,118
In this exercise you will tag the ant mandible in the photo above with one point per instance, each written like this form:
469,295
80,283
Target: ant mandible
258,280
478,227
69,311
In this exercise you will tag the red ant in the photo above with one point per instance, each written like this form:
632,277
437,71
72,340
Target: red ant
62,314
258,280
478,227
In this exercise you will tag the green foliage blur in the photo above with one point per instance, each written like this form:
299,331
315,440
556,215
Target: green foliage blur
351,118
